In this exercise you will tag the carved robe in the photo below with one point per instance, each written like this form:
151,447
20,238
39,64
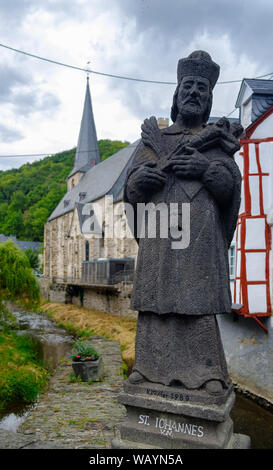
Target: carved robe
180,291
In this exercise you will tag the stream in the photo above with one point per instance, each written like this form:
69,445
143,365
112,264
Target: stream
54,343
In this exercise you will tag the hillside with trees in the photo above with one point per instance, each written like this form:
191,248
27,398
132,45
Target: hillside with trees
29,194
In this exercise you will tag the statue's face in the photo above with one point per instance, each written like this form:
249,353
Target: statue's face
193,96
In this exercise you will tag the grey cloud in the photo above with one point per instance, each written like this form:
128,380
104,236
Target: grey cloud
163,32
27,102
10,78
18,89
14,10
248,24
8,134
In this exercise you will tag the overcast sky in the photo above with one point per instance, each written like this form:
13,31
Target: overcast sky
41,103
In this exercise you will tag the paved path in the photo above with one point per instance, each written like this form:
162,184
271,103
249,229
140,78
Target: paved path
73,415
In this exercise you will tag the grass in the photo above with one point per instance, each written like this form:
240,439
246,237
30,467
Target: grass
84,322
22,376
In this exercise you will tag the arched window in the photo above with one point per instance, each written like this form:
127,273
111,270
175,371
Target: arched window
86,251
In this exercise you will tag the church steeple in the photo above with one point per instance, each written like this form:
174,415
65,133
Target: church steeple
87,153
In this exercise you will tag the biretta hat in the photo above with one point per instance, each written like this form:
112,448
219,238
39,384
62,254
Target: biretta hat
198,63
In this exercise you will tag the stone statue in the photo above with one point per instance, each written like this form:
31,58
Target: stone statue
178,292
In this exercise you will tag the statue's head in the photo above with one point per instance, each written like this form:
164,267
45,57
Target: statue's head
196,78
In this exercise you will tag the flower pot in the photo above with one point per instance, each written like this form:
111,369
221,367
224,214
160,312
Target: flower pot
88,370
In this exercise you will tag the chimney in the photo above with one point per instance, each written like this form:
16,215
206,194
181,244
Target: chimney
163,122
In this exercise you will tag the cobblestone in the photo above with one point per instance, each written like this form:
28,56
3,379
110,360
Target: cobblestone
75,415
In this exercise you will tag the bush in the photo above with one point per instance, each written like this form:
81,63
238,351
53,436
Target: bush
17,281
22,377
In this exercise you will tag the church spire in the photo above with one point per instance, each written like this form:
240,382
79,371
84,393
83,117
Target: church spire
87,153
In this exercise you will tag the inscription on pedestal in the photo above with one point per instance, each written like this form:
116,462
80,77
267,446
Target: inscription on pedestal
169,395
168,427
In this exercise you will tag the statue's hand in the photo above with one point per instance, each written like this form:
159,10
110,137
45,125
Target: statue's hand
190,164
148,177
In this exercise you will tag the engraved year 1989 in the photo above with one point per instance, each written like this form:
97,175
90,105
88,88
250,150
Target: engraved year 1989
179,396
172,395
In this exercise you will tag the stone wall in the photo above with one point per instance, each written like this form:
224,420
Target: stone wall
117,302
249,353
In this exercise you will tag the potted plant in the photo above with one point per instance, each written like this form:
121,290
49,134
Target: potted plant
86,362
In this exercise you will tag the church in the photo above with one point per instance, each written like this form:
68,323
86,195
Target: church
81,267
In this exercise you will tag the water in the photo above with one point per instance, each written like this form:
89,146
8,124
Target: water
14,415
254,420
53,343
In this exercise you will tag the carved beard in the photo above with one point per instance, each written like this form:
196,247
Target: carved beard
192,108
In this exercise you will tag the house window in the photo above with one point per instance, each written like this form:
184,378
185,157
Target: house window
86,251
232,261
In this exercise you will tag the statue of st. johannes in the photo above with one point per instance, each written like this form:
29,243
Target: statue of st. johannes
178,292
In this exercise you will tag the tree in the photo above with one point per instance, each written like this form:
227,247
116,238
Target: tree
13,223
17,281
33,258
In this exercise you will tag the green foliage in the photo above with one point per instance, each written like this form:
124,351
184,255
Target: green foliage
21,375
33,258
17,281
7,319
29,194
124,370
83,351
72,379
109,147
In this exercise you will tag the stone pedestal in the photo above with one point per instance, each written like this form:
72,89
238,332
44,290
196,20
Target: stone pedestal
174,418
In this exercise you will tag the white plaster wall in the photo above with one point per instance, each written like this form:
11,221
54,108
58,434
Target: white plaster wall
246,113
266,159
255,234
264,130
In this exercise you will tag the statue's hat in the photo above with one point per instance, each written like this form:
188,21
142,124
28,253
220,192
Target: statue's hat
198,63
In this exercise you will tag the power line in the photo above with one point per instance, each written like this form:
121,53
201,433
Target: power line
229,114
28,155
112,75
49,154
84,70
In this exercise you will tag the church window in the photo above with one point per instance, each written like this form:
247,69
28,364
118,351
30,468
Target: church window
86,251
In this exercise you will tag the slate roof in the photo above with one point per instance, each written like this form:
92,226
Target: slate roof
262,96
260,104
260,86
87,153
24,245
215,119
107,177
